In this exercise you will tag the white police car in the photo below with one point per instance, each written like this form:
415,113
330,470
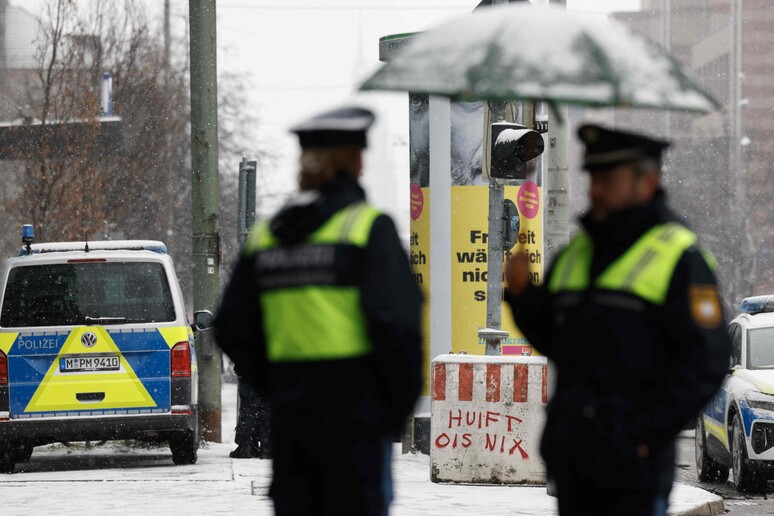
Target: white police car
94,345
736,429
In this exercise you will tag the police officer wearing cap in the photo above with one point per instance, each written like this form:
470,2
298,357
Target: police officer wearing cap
631,317
322,315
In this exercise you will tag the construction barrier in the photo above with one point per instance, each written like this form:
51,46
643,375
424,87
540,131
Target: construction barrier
487,415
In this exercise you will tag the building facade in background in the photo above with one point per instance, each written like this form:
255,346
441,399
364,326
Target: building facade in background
720,167
18,33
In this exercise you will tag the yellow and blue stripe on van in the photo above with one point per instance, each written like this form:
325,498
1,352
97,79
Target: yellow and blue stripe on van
41,383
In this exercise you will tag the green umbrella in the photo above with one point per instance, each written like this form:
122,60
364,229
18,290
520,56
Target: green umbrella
535,53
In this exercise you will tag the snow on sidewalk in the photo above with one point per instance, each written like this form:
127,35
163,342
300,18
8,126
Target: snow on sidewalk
112,479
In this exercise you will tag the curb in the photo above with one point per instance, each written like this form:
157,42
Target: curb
712,508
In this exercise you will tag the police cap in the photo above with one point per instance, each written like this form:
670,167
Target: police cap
606,148
344,126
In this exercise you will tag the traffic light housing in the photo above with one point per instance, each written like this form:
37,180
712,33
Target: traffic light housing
511,147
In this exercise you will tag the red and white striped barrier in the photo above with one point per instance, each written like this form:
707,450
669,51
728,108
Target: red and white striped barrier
487,415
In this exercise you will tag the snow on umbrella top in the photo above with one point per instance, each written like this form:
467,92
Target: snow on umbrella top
541,53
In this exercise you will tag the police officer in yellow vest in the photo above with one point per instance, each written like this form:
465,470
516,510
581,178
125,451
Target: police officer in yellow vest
322,315
631,317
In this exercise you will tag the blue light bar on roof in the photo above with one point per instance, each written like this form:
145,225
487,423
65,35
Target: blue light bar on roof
98,245
28,233
28,237
757,304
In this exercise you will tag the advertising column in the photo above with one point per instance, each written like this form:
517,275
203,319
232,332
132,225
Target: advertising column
449,223
419,228
419,167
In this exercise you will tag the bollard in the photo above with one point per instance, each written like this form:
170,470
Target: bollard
421,433
487,416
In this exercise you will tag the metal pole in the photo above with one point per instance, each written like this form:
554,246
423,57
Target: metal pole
3,45
557,187
497,112
556,184
173,178
742,274
494,269
252,172
246,201
736,100
205,194
167,36
245,208
557,180
666,42
242,203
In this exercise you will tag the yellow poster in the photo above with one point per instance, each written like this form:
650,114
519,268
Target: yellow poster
469,209
420,264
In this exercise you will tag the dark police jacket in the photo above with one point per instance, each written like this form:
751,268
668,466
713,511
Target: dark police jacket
629,371
375,391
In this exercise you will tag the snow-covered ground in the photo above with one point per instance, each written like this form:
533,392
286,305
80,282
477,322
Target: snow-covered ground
111,479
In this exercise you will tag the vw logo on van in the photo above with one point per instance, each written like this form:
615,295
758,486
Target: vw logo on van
88,339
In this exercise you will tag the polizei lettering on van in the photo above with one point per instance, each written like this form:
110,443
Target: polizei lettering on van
43,343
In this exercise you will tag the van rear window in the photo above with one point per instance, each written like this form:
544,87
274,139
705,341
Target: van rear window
87,293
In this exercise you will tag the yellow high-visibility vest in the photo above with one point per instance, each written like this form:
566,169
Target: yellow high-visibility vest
310,322
644,270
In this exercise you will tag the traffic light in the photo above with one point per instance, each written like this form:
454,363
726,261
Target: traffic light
511,147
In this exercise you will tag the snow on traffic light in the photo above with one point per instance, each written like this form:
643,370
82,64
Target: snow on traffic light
511,147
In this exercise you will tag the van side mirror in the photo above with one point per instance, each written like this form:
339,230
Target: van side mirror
203,319
205,336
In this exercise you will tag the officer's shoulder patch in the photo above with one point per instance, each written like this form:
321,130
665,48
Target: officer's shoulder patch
705,305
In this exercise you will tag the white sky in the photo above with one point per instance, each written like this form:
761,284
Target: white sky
307,50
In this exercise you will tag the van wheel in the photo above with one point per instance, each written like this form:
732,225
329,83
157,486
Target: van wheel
7,463
23,452
184,448
707,468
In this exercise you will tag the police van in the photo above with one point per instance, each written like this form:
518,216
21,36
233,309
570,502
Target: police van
94,345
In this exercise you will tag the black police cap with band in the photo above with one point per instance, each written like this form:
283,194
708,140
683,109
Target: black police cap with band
344,126
607,148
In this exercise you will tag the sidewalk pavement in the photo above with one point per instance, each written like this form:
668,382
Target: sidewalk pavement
114,480
416,495
107,480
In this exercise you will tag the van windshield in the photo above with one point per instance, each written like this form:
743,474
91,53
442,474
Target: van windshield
87,293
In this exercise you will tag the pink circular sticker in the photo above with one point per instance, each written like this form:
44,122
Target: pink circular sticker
528,199
417,201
